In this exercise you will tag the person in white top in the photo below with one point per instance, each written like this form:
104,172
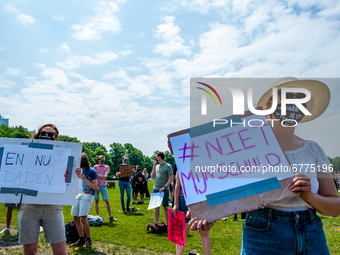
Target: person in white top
292,226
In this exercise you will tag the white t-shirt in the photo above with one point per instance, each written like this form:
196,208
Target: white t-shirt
314,159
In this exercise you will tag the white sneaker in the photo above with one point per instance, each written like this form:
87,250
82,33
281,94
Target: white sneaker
5,231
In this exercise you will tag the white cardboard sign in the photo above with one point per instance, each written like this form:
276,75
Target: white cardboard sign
219,161
38,169
155,200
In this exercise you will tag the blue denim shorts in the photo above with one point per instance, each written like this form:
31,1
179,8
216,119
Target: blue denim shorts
166,200
183,207
103,190
269,231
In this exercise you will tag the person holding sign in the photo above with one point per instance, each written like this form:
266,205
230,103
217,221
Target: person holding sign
52,218
124,184
295,217
84,201
292,226
163,175
102,172
179,205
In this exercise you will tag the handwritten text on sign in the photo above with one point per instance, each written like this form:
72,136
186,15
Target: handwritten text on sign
176,228
227,158
36,169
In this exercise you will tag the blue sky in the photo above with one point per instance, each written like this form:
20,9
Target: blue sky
118,71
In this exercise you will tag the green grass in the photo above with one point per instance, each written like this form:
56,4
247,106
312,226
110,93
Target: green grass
128,235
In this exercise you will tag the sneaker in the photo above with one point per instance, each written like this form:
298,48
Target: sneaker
5,231
79,243
135,202
41,229
88,244
112,219
234,219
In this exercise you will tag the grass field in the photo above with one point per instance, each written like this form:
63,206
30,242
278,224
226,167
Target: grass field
128,235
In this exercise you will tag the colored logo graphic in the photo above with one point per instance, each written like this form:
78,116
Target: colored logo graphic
204,98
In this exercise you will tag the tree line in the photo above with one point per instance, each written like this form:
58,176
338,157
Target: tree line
113,157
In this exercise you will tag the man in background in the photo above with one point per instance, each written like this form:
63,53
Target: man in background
163,175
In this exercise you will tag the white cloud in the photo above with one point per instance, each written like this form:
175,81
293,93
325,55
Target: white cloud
11,8
126,52
64,47
23,18
77,61
13,72
40,65
103,21
173,42
55,76
42,50
58,17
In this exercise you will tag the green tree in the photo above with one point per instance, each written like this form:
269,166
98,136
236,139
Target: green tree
14,132
117,151
66,138
93,150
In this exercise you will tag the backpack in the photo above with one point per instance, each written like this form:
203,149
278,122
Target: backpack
95,220
156,228
71,232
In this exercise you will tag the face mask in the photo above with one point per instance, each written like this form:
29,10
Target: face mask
45,137
125,160
292,113
102,162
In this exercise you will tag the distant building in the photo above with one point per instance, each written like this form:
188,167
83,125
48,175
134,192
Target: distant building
4,121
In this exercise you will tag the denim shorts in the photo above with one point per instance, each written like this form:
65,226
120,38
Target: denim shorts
166,200
183,207
103,190
269,231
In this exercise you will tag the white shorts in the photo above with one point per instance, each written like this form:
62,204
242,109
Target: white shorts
83,205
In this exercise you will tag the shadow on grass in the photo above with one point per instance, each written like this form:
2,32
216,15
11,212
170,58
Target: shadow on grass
89,251
8,240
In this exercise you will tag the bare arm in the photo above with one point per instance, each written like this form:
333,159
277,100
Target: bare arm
103,175
178,187
327,201
93,184
153,173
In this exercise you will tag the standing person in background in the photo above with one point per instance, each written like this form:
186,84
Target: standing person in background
124,184
83,203
146,189
102,172
133,184
51,216
139,181
10,207
163,175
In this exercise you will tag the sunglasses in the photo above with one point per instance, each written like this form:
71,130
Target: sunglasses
47,135
291,95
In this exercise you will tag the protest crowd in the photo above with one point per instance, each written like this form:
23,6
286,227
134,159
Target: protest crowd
291,226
